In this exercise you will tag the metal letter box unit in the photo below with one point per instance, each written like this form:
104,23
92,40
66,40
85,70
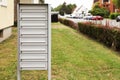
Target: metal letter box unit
34,37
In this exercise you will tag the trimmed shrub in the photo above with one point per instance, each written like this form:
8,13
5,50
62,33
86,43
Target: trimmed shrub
100,11
68,23
61,20
108,36
113,15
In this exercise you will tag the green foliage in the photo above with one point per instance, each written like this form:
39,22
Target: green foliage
117,3
57,8
65,9
109,36
70,8
68,23
81,58
97,10
96,5
74,57
61,12
113,15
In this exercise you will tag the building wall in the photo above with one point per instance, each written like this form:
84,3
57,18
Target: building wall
6,33
7,14
6,20
26,1
30,1
15,10
109,5
112,7
15,6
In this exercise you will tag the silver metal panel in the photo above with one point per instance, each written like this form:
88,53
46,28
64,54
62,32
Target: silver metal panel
33,23
33,48
33,65
34,38
39,40
35,52
32,35
33,57
34,68
33,41
33,10
34,7
33,16
33,31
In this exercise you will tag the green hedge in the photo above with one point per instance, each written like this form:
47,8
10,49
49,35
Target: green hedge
108,36
114,15
68,23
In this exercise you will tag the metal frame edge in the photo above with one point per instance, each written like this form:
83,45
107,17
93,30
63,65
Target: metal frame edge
18,55
49,47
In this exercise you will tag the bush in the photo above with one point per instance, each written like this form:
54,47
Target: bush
61,20
108,36
114,15
100,11
61,13
68,23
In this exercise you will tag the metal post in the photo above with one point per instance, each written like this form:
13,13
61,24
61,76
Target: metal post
49,45
18,64
18,75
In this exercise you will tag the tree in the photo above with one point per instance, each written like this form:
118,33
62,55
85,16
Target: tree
65,9
97,10
117,3
57,8
70,8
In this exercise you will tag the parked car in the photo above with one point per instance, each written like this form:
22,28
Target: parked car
97,18
88,17
118,18
77,16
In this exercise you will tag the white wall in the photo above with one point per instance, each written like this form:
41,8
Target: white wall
6,19
29,1
7,14
6,33
26,1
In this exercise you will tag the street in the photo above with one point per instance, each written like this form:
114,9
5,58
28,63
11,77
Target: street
111,23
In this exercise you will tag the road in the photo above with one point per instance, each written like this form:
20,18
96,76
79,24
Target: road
111,23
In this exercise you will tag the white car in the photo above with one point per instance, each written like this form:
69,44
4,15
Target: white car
88,17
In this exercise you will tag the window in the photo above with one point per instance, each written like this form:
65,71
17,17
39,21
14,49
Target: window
1,33
3,2
106,1
96,1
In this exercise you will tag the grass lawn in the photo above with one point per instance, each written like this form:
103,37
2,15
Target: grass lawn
74,57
